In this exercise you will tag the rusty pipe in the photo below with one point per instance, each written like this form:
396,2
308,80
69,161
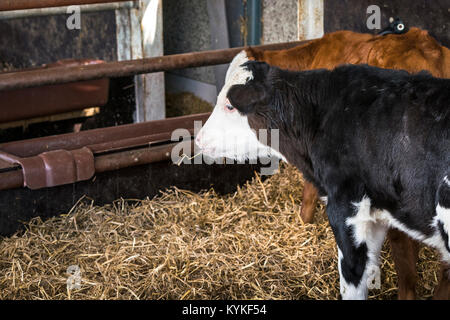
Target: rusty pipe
7,157
71,141
109,162
113,148
9,5
131,158
148,140
33,78
11,179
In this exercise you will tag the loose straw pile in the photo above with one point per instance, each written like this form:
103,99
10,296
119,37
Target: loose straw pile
181,245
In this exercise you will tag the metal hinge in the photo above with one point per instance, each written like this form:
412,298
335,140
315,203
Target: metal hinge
54,168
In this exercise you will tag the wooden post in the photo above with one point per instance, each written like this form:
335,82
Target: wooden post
139,35
152,104
123,34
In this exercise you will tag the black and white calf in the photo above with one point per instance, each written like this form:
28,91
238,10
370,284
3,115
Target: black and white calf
376,142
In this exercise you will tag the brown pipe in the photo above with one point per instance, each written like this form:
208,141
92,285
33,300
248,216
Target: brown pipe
33,78
131,158
132,142
10,158
11,179
9,5
14,179
71,141
118,139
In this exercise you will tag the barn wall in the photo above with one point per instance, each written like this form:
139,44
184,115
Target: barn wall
279,21
34,41
186,29
291,20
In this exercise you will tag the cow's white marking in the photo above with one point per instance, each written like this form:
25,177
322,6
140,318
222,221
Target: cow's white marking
370,278
362,221
228,134
443,215
366,230
381,216
447,181
348,290
369,225
434,240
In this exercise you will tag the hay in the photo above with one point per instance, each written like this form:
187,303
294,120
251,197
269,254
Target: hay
248,245
185,103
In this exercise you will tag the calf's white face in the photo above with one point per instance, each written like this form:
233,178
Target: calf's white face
227,133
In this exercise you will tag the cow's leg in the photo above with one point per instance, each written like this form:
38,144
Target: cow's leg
442,291
309,201
443,226
405,253
359,238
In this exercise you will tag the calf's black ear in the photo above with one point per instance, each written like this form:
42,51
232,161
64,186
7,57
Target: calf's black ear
247,97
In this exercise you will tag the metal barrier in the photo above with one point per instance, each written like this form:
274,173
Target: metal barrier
34,163
135,152
67,158
33,78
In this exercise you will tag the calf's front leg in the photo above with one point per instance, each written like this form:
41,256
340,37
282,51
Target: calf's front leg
359,239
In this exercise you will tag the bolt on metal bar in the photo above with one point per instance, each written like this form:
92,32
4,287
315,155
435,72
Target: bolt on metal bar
35,78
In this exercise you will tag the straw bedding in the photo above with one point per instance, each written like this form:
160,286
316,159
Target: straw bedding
184,103
248,245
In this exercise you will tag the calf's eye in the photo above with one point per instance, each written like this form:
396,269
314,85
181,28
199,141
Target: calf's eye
228,106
